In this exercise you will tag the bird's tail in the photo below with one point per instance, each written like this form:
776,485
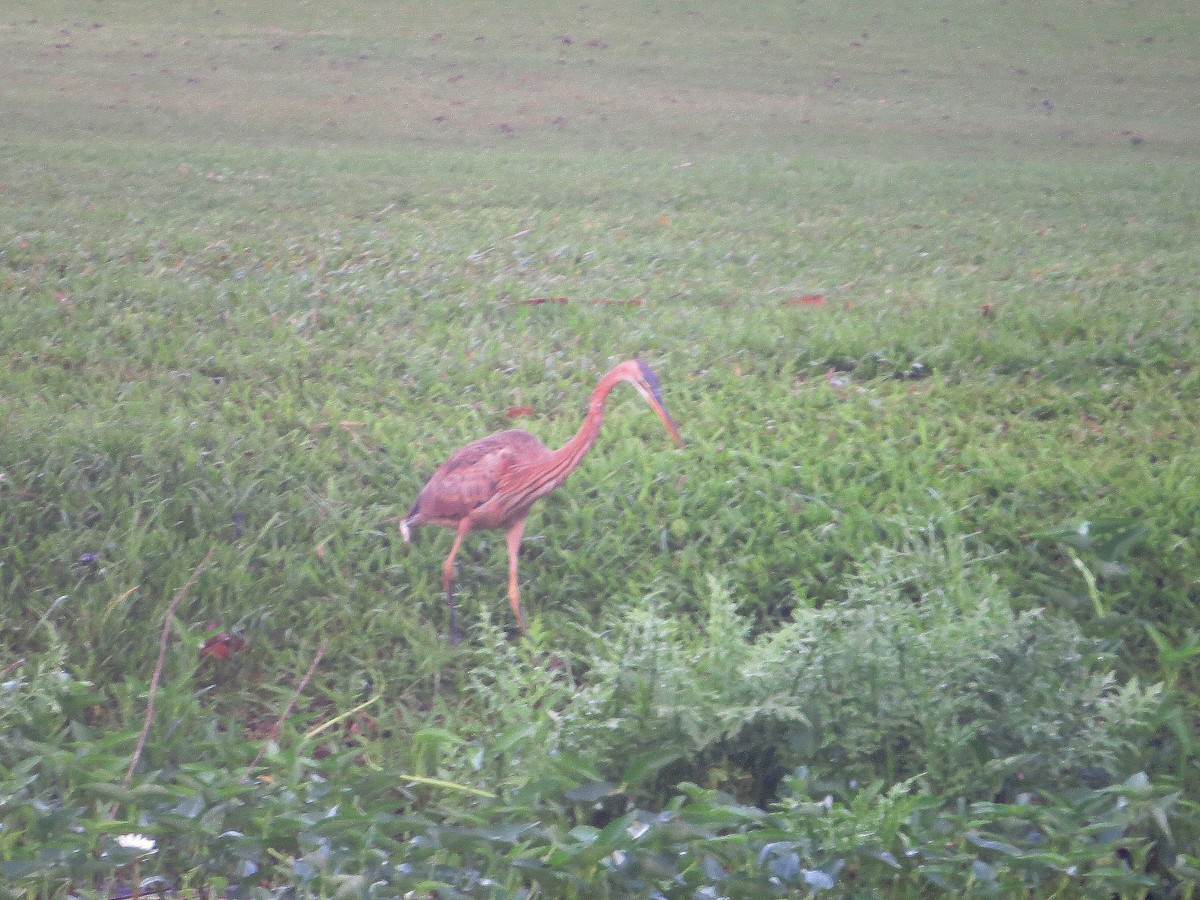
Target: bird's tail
407,522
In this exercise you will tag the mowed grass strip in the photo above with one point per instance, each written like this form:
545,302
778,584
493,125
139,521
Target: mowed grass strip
1048,81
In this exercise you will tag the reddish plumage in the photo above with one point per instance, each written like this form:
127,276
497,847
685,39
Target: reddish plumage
492,482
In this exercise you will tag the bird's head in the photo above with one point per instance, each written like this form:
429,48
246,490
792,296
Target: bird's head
641,376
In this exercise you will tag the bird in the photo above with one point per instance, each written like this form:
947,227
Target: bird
491,483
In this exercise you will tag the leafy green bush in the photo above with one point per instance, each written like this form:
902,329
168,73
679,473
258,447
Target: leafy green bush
924,670
38,697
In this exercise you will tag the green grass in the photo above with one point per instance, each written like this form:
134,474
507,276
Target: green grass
261,271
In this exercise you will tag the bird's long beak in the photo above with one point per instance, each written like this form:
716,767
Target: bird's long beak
669,422
655,401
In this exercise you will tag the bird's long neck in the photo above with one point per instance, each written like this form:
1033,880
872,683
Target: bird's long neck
570,454
577,447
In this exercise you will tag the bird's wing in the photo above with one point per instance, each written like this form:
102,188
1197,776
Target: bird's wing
470,477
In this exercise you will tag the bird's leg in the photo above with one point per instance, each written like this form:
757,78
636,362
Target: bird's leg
514,592
448,578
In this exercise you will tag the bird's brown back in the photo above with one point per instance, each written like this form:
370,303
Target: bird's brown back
473,474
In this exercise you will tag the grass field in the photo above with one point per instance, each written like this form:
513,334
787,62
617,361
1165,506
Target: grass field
920,283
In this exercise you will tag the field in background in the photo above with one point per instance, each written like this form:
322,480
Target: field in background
921,286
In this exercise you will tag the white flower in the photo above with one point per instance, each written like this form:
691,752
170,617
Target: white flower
136,842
